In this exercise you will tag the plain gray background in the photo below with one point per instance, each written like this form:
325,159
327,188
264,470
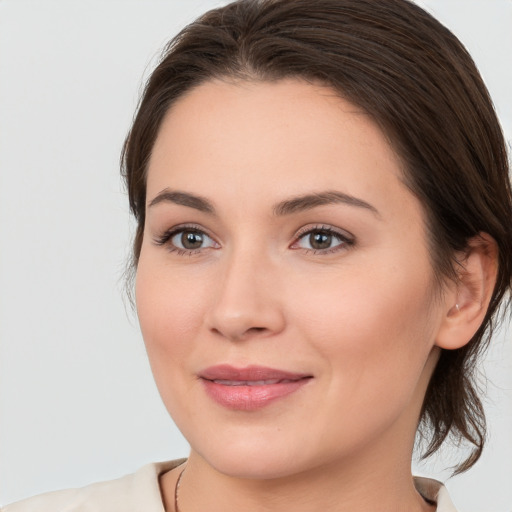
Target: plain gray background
77,402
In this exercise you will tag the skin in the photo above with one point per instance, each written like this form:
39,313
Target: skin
361,317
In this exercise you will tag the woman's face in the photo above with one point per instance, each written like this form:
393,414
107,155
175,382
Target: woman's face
284,287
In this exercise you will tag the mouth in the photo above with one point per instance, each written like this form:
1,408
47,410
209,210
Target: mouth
251,382
250,388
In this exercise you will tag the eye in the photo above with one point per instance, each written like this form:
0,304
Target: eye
322,239
186,240
190,240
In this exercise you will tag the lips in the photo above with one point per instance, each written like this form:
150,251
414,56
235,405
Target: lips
250,388
250,382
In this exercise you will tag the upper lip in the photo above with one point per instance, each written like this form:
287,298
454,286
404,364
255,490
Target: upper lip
249,373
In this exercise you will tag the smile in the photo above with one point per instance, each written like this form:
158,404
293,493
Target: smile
251,382
251,388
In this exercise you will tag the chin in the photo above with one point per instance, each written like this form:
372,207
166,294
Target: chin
261,456
261,460
258,466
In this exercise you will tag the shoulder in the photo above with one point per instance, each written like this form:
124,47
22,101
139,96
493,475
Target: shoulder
134,492
435,492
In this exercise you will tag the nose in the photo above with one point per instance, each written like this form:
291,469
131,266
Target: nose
247,303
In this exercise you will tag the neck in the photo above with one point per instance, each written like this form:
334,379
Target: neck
355,486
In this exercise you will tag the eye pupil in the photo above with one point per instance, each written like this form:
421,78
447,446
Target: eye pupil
320,240
191,239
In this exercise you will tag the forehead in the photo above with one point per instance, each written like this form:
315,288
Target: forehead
263,140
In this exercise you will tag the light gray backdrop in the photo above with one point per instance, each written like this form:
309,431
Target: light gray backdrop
77,400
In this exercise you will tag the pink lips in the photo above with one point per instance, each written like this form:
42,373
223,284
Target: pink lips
249,388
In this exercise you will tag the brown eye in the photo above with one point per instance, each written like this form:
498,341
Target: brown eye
191,240
320,240
323,240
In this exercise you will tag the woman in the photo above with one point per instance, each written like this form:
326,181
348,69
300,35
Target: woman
324,238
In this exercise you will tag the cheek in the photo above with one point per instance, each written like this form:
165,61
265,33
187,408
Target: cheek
170,309
372,330
374,322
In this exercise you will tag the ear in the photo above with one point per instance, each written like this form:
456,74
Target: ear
466,302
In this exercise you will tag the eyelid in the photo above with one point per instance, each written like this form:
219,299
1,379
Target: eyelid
347,238
165,237
324,227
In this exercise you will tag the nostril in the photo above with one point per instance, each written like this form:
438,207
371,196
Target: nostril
244,334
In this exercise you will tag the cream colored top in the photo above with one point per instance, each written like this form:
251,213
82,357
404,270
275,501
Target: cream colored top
140,492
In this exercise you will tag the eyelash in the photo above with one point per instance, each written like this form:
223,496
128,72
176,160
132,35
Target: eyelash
346,240
168,235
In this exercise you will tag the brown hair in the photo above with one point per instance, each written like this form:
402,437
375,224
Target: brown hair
417,81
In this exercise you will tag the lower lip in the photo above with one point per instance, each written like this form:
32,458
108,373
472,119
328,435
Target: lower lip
250,398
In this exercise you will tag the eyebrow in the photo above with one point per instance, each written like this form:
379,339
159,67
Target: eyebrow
184,199
287,207
309,201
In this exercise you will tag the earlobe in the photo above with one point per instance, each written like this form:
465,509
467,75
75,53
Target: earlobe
467,306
